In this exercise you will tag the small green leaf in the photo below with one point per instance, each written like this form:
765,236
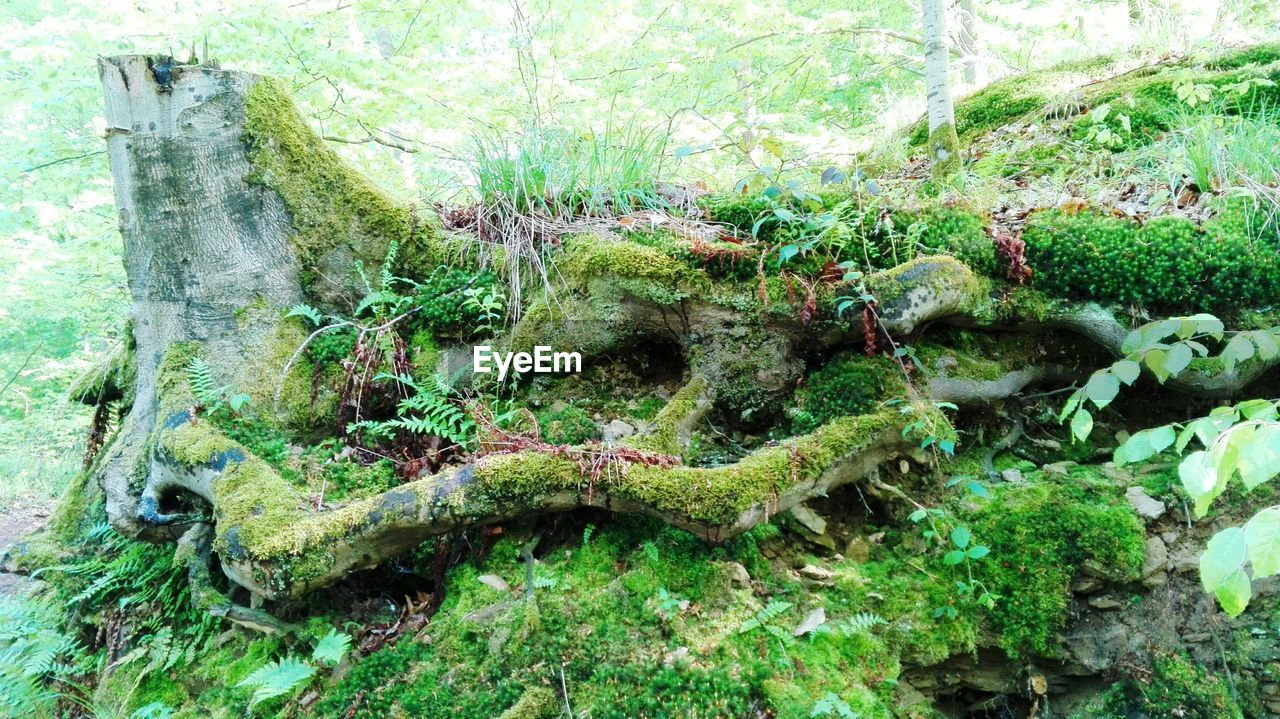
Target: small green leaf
1222,570
1081,424
978,551
960,537
1101,388
1126,371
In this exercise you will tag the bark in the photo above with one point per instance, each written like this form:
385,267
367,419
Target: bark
200,245
944,144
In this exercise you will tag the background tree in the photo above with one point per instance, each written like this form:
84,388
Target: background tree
944,144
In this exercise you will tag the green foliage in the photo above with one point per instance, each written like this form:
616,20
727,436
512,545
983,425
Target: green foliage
567,425
1039,536
331,648
110,572
831,705
432,409
1167,264
845,385
1174,688
278,678
39,662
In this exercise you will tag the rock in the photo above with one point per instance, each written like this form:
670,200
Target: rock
811,520
810,571
1185,558
1106,601
1143,504
909,696
1158,579
1111,471
738,574
1063,468
1086,585
1170,537
1013,475
858,549
1155,559
616,430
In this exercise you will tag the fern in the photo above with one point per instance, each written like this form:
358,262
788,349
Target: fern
207,392
762,618
277,679
332,648
200,376
36,658
311,313
430,410
860,623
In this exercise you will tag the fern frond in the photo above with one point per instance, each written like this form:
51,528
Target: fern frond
331,648
277,679
860,623
304,310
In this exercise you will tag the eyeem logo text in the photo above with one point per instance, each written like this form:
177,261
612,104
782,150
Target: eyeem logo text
542,361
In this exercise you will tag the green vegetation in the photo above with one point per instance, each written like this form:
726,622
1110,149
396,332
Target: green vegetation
1168,264
1175,688
720,255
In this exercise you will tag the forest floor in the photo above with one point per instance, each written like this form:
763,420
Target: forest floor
19,519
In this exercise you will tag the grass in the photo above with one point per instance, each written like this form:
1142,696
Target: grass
1217,151
564,174
545,182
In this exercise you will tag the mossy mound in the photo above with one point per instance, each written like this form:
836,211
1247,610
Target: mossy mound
1169,264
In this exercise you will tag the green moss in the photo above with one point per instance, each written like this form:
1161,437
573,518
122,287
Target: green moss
1174,688
849,384
723,492
1168,264
664,434
1039,536
536,703
338,216
568,425
111,379
1263,54
1012,98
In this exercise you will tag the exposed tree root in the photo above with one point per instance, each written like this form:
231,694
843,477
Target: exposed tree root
195,549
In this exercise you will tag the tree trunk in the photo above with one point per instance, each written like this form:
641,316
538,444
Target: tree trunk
201,244
970,49
944,145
